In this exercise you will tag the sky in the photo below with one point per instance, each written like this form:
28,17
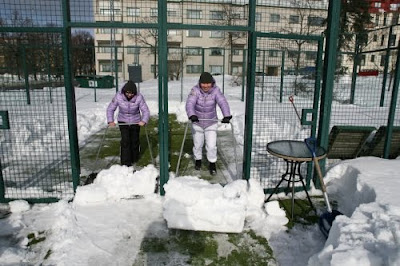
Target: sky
107,220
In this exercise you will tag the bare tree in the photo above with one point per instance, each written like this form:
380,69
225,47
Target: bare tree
230,15
303,21
176,59
13,43
147,38
83,52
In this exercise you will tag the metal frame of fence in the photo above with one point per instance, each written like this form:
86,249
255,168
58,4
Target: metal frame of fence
65,15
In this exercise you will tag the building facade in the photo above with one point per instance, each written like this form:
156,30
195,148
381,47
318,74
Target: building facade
191,51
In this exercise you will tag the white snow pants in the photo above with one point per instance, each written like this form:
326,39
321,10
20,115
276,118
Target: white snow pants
210,136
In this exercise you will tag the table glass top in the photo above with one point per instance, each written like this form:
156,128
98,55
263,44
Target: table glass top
293,148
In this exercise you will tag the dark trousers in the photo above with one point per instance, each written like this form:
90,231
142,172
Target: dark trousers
130,145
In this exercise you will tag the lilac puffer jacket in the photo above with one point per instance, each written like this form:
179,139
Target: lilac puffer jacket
203,104
132,111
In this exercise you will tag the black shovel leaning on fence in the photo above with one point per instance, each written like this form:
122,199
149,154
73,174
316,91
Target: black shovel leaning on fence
327,218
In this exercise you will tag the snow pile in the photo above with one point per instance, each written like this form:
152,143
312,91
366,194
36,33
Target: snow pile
195,204
370,233
116,183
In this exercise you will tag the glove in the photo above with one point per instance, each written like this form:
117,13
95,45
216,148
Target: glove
194,118
226,119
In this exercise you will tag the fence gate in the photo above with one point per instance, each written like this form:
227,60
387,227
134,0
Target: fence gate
286,65
34,140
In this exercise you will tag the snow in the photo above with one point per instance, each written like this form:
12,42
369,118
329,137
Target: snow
108,219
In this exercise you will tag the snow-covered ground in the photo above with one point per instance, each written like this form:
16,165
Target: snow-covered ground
103,225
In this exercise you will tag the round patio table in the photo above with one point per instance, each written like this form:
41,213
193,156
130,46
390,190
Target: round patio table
294,153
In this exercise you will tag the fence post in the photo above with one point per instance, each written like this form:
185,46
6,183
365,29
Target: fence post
163,94
392,110
385,70
251,60
282,76
70,95
328,74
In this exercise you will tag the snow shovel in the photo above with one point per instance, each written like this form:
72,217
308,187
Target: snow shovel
327,218
291,99
91,177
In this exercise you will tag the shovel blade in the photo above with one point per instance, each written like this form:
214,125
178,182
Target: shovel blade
90,178
326,220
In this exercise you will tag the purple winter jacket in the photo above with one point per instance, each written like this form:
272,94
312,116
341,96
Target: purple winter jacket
132,111
203,104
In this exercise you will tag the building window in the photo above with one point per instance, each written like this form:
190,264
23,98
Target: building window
375,38
171,12
273,53
315,21
236,16
382,40
293,54
236,70
133,31
395,18
174,51
275,18
384,19
154,68
172,32
106,66
311,55
192,69
372,58
193,14
133,12
194,33
104,11
217,15
392,40
236,34
258,17
382,63
377,20
236,51
108,31
216,70
133,50
362,60
193,51
153,12
216,34
216,51
104,49
294,19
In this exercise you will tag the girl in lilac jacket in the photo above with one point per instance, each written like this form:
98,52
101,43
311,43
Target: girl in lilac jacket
133,113
201,110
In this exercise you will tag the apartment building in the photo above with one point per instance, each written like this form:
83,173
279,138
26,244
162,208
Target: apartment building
190,51
383,36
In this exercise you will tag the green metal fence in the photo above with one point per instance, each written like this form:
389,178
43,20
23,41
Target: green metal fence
273,50
35,149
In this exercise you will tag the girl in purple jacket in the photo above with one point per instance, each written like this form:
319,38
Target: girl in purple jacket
133,113
201,110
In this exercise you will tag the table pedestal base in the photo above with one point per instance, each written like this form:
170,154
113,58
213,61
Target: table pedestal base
292,175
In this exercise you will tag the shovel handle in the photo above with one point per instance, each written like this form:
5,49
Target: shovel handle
311,144
319,172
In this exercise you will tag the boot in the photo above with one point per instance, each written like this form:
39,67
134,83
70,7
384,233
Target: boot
213,169
198,165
